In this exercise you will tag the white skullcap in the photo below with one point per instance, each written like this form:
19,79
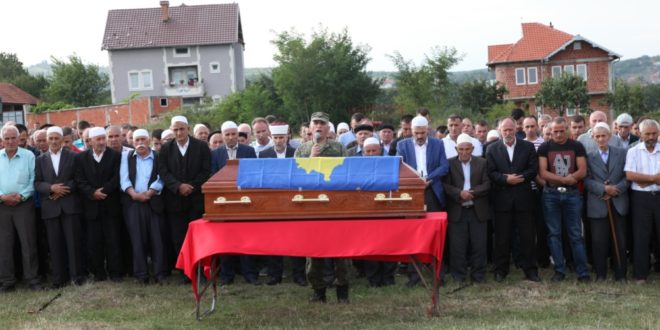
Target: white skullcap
228,125
332,127
370,141
198,126
624,119
54,129
96,131
464,138
179,119
603,125
342,126
279,129
166,133
420,121
492,134
140,133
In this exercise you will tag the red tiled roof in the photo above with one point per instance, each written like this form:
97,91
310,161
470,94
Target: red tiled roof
14,95
187,26
538,41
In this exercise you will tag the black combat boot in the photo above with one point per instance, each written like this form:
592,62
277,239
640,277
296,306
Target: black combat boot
342,294
319,296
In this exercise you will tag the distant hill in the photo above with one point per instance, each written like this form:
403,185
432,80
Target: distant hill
645,69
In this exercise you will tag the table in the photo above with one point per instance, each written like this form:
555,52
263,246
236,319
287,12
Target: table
419,240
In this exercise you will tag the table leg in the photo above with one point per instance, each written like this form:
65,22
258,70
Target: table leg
212,282
434,289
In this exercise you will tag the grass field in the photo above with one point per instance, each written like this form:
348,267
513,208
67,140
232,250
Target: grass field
512,304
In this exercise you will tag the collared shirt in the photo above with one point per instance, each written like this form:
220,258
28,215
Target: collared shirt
98,157
420,158
280,155
259,148
386,148
604,155
55,158
17,173
590,144
539,141
183,148
143,169
450,147
346,138
231,152
509,149
466,183
625,142
640,160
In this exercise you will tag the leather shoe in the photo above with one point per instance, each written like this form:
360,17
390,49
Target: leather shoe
8,288
226,282
253,281
36,287
300,281
499,278
274,281
533,276
584,279
412,282
558,277
318,296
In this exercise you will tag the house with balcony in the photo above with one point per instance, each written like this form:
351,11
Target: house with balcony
186,51
15,103
544,52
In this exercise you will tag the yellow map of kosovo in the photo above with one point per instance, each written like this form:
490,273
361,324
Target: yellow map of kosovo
323,165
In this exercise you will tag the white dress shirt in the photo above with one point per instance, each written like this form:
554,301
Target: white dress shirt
183,148
98,157
466,183
509,149
420,158
640,160
55,158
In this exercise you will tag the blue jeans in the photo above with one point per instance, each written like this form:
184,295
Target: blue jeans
565,208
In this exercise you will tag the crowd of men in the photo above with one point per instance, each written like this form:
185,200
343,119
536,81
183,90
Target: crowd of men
88,203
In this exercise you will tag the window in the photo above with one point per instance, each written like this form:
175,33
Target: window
140,80
214,67
556,71
163,102
532,77
577,45
15,116
581,70
181,52
571,112
520,76
569,69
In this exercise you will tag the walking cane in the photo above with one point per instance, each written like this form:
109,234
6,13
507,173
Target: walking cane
613,230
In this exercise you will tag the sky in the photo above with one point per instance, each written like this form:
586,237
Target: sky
35,30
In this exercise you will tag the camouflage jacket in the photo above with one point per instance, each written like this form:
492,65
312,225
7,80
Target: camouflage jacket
329,149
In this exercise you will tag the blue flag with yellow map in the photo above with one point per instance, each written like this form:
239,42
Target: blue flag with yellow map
320,173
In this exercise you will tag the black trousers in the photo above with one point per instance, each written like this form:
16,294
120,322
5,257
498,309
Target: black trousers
602,245
144,228
380,272
470,233
276,267
645,208
21,217
104,246
64,234
178,227
527,235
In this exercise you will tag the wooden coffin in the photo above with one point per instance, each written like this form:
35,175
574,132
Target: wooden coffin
223,201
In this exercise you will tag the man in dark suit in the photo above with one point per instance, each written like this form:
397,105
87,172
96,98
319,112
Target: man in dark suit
427,156
219,157
467,187
362,132
606,183
624,121
184,164
281,149
60,209
97,179
512,166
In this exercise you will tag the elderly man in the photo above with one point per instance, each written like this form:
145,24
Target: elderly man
512,167
215,140
184,164
321,146
586,138
342,128
643,170
624,122
40,140
245,129
362,132
17,166
262,139
562,163
200,132
60,209
467,187
468,128
97,180
606,184
349,136
143,207
115,140
386,135
219,157
455,127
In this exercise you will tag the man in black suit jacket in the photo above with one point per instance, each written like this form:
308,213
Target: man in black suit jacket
60,208
97,179
229,151
184,164
512,166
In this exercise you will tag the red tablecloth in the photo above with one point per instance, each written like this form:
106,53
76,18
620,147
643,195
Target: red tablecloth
374,239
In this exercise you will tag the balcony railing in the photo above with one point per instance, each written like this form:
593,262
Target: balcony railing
185,89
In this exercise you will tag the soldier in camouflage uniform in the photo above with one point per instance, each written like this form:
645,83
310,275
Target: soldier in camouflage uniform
321,146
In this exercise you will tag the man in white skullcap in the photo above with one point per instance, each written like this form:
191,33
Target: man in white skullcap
427,156
60,209
201,132
624,121
143,207
97,180
184,165
372,147
467,187
342,128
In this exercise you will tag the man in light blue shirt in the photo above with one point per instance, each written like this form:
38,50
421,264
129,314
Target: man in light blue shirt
143,207
17,211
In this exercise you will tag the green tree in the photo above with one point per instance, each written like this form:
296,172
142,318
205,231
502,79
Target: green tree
627,97
564,92
479,96
12,71
78,84
327,73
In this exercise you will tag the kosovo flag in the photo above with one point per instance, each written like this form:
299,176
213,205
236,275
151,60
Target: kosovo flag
320,173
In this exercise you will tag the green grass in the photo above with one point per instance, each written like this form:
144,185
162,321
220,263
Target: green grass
512,304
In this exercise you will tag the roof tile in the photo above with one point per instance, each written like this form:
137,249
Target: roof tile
12,94
538,41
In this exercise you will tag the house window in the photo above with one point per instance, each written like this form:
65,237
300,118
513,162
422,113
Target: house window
214,67
163,102
140,80
577,45
520,76
556,71
571,112
581,70
181,52
569,69
15,116
532,77
539,110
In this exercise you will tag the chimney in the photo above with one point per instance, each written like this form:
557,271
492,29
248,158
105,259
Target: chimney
165,10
